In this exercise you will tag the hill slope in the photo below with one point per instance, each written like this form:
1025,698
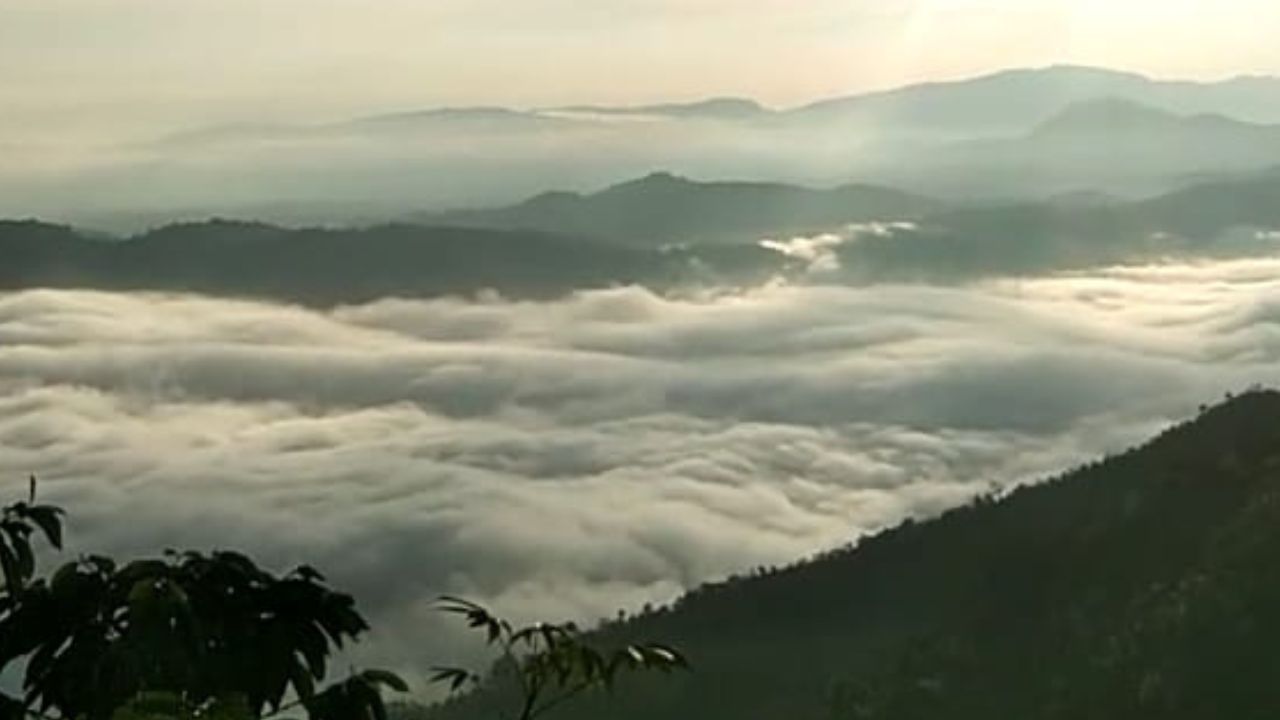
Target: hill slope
1128,119
1237,217
1227,218
661,208
328,266
1141,586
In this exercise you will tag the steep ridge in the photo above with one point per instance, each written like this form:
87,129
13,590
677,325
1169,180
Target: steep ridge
1142,585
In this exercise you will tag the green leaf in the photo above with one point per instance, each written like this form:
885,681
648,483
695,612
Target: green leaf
311,644
11,709
48,519
456,677
308,573
387,678
26,559
13,579
368,698
303,684
140,570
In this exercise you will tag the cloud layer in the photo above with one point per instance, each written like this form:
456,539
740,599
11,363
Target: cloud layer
571,458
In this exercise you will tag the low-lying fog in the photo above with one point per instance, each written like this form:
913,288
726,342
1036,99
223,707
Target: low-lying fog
567,459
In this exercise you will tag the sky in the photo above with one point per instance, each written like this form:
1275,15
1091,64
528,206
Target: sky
131,66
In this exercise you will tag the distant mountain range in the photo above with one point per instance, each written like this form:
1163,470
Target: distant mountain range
1140,586
1020,134
1001,103
661,209
712,109
659,231
1225,218
332,266
1010,101
1107,143
1013,135
917,237
1127,120
998,104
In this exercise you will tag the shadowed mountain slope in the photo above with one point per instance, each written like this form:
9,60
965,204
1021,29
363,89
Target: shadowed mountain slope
1227,218
1236,217
321,266
662,208
1142,585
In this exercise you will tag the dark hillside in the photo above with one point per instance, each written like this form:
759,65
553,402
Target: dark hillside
331,266
1227,218
558,243
663,209
1145,585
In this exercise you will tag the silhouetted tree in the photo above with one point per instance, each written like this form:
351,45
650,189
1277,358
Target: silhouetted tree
183,635
551,663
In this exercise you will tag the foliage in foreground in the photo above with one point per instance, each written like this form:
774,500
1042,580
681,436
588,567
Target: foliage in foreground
214,636
187,634
550,664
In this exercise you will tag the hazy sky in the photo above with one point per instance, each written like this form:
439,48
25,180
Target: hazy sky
120,64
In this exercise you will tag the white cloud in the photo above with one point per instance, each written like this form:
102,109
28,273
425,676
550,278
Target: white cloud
819,251
569,458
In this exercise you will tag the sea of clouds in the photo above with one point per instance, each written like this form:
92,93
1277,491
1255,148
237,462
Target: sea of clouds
568,459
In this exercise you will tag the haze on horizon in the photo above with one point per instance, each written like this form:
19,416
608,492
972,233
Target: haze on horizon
130,68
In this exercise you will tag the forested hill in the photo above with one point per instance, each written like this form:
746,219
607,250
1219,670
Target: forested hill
1232,217
1145,585
331,266
661,209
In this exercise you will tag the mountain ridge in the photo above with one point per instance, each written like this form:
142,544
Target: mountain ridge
961,140
331,266
1042,90
1227,217
1138,585
662,208
1088,82
1121,116
719,108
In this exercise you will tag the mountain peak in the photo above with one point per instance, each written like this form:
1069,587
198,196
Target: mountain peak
1120,116
658,179
719,107
1083,71
1109,114
663,176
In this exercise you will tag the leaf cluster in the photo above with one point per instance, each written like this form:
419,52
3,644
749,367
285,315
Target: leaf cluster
551,663
19,522
205,630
